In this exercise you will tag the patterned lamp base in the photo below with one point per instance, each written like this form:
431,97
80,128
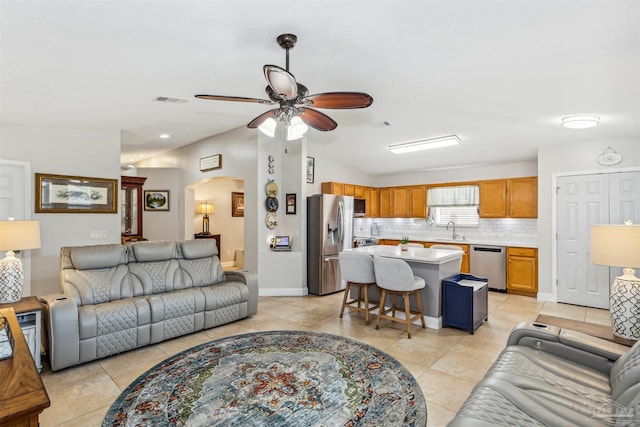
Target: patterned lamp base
625,307
11,279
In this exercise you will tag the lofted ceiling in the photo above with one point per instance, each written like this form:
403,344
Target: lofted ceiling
498,74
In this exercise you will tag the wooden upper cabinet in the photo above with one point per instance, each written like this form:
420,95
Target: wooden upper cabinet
349,189
385,202
374,209
493,198
418,201
332,188
358,192
504,198
523,197
401,202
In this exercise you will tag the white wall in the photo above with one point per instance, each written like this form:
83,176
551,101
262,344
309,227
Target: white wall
163,225
65,151
508,170
329,167
556,159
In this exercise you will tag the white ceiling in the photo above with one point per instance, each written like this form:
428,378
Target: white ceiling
498,74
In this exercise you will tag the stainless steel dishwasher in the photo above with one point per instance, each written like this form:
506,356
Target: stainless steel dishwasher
490,262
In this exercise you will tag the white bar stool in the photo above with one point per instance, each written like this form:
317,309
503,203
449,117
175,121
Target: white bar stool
395,277
357,270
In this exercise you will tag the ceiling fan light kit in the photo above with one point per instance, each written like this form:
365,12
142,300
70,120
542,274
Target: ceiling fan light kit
425,144
294,101
584,121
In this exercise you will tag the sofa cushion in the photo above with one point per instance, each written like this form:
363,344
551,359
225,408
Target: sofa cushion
201,248
97,286
625,377
93,257
144,251
149,278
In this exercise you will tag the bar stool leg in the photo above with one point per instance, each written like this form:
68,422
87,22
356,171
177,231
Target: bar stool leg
419,302
381,309
344,299
407,312
366,305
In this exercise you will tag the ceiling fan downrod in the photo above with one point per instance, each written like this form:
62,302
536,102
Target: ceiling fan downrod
287,42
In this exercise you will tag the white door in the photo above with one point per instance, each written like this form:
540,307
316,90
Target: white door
584,200
15,187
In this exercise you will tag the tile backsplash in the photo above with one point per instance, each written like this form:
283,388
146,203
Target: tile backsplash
509,228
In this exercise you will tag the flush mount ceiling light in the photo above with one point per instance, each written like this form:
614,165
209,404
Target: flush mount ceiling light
165,135
580,122
425,144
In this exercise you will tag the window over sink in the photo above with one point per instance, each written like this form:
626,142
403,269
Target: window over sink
454,203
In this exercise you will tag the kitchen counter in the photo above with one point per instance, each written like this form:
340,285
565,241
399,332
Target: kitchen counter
432,265
486,240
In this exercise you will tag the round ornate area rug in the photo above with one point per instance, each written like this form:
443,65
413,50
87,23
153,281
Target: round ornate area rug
276,378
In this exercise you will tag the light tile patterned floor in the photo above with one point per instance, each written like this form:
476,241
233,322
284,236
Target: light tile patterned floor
447,363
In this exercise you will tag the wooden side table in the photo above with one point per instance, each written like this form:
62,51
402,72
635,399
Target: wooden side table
29,313
22,394
593,329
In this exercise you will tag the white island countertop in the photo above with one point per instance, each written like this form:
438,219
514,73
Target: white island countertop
423,255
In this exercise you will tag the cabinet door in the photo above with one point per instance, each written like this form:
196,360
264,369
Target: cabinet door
418,201
522,274
401,202
523,197
493,198
358,192
375,203
349,189
386,202
332,188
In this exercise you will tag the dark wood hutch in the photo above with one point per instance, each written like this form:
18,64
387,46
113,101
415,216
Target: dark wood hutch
131,207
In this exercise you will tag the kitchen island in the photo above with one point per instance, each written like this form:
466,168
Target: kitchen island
432,265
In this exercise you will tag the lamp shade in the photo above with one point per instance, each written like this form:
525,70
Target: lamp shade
18,235
205,208
616,245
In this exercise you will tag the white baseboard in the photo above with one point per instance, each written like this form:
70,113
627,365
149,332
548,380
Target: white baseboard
546,296
283,292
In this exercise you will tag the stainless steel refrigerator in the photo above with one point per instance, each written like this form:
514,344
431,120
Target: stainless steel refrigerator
329,231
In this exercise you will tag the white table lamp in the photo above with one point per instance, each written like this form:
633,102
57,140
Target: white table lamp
205,208
15,236
619,246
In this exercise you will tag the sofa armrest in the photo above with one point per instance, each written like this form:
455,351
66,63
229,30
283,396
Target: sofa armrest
251,280
60,315
577,347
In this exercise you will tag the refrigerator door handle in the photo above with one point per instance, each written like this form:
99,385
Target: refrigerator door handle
341,223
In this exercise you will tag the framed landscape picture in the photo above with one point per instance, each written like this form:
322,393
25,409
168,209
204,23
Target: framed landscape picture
237,204
311,166
75,194
156,200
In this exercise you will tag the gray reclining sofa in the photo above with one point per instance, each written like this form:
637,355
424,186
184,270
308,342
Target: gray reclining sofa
552,377
119,297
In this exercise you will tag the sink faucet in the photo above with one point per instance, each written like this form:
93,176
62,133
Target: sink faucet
454,236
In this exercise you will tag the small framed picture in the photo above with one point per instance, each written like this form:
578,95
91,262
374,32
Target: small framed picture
291,204
156,200
237,204
211,162
311,166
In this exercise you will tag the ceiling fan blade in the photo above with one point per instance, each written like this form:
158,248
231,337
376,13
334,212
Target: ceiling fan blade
316,119
340,100
235,98
262,118
281,81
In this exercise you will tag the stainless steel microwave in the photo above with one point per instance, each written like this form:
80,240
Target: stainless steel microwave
359,207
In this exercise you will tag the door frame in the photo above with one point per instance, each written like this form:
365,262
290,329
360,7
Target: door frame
25,256
554,216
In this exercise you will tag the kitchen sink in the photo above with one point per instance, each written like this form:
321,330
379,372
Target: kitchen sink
447,239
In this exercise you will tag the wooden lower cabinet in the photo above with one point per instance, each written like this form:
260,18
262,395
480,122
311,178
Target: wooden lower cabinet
464,268
522,271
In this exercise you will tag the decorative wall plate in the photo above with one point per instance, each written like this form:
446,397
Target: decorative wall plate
271,189
271,204
609,157
271,220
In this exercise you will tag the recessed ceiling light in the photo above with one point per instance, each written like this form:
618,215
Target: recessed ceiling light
165,135
580,122
425,144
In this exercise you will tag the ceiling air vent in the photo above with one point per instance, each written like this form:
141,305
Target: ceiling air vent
170,99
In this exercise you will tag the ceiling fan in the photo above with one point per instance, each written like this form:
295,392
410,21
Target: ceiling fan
293,98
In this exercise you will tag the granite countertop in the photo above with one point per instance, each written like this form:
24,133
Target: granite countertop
480,240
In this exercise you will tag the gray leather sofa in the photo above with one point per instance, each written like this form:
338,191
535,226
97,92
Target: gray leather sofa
119,297
552,377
